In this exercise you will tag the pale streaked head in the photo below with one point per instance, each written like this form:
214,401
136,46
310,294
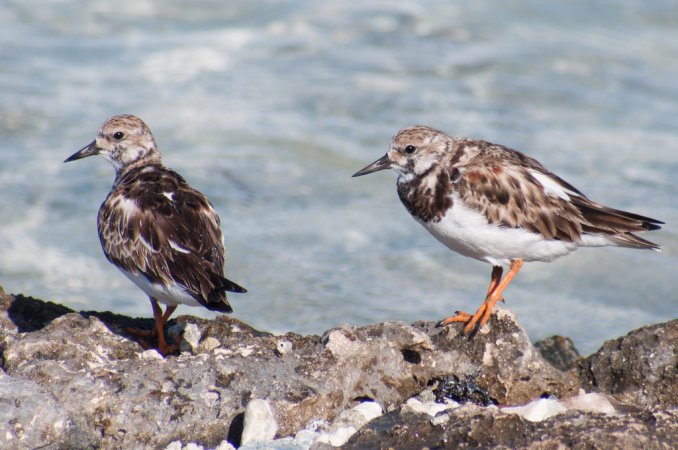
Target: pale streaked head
414,150
124,140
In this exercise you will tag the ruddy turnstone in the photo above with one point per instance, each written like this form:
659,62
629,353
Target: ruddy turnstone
497,205
160,232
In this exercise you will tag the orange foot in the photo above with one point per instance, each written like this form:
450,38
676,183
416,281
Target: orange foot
157,334
149,339
165,349
145,338
494,295
480,318
160,320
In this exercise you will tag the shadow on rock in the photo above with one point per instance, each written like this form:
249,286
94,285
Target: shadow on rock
30,314
23,314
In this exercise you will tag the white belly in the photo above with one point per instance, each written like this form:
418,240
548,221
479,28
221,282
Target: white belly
468,232
172,295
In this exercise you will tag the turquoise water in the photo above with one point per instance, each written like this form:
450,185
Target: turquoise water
269,107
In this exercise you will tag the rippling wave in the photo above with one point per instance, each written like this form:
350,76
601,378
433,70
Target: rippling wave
269,107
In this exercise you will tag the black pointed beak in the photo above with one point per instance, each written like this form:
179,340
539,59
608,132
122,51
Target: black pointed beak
380,164
90,149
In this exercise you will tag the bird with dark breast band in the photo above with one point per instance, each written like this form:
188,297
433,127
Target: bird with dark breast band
497,205
163,234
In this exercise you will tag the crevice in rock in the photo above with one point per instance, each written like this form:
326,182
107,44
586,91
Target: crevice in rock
411,356
234,435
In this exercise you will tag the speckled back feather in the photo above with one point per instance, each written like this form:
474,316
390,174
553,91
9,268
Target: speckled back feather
171,234
509,188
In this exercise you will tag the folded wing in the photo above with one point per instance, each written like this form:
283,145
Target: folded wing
169,232
517,191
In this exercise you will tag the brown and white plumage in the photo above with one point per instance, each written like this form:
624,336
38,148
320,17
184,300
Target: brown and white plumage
495,204
159,231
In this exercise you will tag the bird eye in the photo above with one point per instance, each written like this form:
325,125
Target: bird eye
410,149
118,135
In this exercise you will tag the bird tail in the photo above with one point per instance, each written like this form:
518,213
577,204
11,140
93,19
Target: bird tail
617,225
632,241
216,300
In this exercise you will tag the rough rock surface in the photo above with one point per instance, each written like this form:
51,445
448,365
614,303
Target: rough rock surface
472,426
559,351
640,368
77,380
259,423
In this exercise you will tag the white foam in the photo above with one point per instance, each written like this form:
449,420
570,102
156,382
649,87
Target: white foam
270,111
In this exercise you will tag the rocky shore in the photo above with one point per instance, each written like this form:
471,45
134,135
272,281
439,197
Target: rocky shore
76,380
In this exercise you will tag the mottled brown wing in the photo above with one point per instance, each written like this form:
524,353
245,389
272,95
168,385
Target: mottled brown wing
509,196
155,224
514,190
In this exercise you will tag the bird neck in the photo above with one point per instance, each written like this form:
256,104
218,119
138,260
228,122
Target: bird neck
149,160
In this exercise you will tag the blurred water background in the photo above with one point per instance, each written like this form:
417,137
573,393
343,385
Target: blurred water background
268,107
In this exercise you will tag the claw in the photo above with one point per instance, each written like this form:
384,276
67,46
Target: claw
460,316
494,294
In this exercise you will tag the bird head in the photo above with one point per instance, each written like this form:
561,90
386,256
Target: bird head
414,151
123,140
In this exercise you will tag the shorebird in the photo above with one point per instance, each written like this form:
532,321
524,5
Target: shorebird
163,234
500,206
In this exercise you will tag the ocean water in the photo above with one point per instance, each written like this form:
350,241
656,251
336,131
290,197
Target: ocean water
269,107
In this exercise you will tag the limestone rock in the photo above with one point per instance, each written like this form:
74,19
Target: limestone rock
30,417
472,426
640,368
348,423
559,351
80,380
259,423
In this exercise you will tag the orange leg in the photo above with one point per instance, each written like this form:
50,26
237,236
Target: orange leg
497,271
157,332
461,316
160,321
494,294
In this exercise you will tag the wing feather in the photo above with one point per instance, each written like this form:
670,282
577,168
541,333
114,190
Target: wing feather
514,190
155,224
